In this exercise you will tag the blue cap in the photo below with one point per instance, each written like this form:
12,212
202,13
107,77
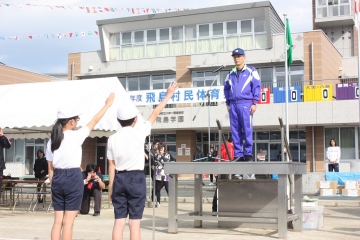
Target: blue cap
238,51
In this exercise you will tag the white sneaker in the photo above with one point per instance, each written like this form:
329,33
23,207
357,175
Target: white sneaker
157,204
211,184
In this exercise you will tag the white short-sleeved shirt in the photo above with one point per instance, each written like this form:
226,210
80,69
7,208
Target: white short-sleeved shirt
69,154
126,147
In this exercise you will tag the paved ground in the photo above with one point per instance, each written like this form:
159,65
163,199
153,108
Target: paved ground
341,221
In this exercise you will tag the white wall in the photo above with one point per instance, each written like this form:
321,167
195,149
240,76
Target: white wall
300,115
123,66
350,67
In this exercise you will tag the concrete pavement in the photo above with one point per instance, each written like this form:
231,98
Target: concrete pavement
339,223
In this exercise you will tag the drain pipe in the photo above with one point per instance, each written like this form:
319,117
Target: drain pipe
312,63
313,149
72,71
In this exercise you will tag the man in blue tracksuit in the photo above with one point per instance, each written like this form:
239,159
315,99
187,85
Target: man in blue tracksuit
242,90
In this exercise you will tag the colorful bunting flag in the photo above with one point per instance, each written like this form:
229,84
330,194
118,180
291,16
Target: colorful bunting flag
98,9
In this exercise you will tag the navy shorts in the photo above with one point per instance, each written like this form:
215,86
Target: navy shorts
129,194
67,189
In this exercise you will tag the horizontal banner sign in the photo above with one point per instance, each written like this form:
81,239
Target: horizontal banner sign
182,95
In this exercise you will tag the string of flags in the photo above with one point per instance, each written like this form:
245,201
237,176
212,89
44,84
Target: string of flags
53,36
98,9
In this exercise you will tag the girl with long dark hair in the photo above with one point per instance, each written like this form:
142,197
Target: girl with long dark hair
333,154
64,155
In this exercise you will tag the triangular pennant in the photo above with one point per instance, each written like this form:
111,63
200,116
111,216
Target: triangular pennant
96,32
70,34
2,38
83,34
89,33
76,34
30,37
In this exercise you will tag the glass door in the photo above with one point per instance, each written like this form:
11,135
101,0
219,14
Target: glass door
29,160
101,160
275,152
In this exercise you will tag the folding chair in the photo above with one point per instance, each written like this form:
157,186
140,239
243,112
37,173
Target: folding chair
18,190
45,185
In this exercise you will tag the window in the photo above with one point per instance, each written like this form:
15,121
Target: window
260,33
246,26
345,139
204,30
202,79
217,42
262,135
164,34
151,35
139,37
218,29
259,25
123,82
126,38
231,28
190,39
190,32
246,37
223,75
162,81
114,39
347,142
177,33
139,83
275,135
9,153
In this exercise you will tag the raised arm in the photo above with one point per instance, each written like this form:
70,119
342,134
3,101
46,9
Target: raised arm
170,91
109,101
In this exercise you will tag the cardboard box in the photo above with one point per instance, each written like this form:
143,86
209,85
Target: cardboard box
351,192
351,184
326,184
327,192
339,189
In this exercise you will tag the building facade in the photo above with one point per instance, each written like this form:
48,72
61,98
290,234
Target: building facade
148,52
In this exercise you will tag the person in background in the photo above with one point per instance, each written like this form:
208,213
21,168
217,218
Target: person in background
172,159
261,155
198,153
333,154
162,179
212,157
93,184
41,171
4,143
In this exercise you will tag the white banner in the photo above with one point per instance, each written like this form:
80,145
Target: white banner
182,95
